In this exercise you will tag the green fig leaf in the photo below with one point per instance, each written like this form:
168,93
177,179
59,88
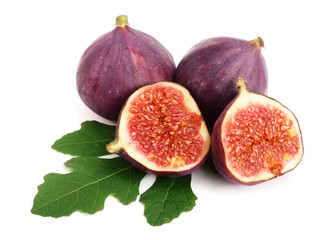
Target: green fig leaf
92,179
90,140
167,198
87,186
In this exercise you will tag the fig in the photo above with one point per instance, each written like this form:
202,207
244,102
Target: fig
211,68
255,139
118,63
161,131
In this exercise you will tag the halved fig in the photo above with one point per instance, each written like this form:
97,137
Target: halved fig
118,63
211,68
255,139
161,130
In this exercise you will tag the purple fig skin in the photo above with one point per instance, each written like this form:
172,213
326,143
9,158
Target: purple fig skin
211,68
118,63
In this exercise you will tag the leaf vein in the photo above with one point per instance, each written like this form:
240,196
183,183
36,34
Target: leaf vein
83,142
165,199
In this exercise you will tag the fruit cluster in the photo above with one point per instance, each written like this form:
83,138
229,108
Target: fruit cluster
166,114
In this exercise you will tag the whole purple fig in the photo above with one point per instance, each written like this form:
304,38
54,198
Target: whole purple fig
118,63
211,68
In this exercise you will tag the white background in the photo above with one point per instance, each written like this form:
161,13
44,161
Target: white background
40,45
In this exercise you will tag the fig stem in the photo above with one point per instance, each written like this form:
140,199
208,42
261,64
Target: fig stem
122,21
242,85
113,147
259,42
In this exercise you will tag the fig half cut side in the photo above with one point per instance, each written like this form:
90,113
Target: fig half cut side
118,63
255,139
161,130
